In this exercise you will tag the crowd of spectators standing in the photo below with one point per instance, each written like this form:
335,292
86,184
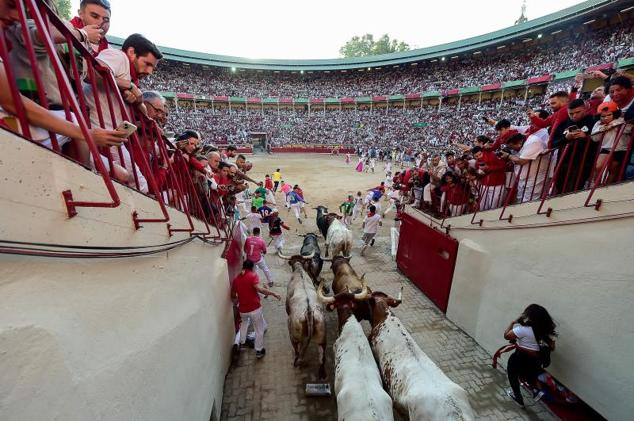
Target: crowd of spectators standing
570,50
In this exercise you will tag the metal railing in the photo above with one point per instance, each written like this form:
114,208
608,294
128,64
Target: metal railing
153,166
570,168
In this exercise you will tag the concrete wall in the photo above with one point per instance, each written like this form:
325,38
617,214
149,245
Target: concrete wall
104,339
578,264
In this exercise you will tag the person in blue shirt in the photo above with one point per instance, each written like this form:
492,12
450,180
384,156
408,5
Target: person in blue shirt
295,200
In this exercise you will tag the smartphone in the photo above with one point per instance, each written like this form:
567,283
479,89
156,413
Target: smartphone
573,128
127,127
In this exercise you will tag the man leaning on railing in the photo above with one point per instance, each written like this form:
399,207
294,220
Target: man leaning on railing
36,115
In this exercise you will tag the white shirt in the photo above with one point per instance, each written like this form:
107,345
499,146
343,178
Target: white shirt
119,65
254,220
371,224
377,205
525,337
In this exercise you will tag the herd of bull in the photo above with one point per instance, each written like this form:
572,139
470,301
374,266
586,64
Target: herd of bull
415,384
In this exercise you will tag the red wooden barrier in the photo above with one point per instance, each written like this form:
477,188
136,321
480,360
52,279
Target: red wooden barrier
428,258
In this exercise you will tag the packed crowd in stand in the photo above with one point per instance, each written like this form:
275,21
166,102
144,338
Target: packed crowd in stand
574,49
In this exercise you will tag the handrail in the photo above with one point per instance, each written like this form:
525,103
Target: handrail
568,169
146,155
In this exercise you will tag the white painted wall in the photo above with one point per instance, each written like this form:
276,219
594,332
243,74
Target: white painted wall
144,338
581,271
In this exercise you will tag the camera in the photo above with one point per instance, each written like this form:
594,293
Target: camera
504,149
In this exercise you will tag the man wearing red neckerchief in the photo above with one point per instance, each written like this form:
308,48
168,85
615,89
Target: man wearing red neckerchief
93,23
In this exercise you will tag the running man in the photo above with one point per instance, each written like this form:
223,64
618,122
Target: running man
346,208
371,225
255,249
295,201
358,206
286,188
277,177
301,193
246,289
254,219
275,231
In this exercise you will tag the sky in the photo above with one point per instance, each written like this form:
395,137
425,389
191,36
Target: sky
296,29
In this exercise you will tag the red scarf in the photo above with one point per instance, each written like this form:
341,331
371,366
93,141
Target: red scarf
103,43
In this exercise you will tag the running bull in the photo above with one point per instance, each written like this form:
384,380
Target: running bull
347,280
306,319
417,386
313,263
358,385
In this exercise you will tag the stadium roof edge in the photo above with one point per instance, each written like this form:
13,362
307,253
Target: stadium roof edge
529,28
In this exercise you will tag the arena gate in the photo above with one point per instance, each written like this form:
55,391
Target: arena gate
427,257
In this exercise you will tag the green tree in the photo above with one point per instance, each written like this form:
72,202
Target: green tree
366,45
63,8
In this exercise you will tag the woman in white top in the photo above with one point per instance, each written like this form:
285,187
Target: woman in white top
533,328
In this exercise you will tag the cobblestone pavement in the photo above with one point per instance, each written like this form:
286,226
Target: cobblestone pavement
272,389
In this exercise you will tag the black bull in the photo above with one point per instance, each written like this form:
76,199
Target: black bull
312,265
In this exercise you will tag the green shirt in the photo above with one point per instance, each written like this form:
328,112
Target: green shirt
258,202
262,191
346,207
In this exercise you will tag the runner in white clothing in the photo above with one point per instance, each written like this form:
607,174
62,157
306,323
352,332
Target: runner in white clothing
371,225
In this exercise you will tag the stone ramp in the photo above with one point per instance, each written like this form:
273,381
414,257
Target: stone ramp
272,389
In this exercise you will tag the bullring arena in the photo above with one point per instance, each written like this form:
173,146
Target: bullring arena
273,389
499,287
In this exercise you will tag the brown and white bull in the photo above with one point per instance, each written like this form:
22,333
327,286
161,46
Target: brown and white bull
358,385
417,386
338,240
306,319
347,280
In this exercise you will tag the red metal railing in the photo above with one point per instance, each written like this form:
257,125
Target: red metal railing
571,168
147,162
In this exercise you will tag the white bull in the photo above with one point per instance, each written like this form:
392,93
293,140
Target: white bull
360,394
419,388
338,239
306,318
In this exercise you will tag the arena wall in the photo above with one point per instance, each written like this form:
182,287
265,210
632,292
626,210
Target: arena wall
119,339
578,264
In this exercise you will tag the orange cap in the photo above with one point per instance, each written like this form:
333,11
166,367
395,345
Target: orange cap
610,106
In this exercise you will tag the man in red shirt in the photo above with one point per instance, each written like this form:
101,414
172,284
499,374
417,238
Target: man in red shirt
268,183
255,249
493,177
559,104
93,22
246,289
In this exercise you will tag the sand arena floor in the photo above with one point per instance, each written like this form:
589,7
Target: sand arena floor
272,389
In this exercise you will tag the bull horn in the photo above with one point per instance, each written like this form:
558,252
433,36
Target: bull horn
365,292
308,256
400,295
279,253
321,296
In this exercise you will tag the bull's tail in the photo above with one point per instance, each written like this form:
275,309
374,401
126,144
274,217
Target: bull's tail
310,322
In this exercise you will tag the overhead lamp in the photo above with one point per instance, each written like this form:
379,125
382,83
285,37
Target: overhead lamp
556,32
443,59
539,36
233,69
454,57
434,60
369,68
527,39
475,53
627,9
590,21
501,46
301,72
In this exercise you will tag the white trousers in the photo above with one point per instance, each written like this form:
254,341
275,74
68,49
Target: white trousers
356,211
261,264
257,317
278,241
297,207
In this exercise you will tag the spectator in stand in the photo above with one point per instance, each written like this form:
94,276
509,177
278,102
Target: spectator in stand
246,288
558,103
92,24
229,152
576,151
613,147
491,169
36,115
155,106
436,170
531,166
622,94
136,60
